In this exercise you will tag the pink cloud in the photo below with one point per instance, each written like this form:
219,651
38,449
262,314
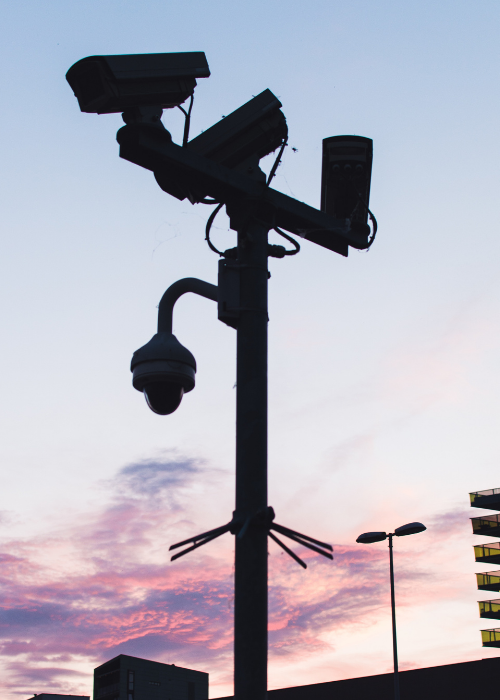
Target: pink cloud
76,597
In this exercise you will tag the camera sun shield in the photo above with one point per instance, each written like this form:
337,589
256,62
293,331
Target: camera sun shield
106,84
346,177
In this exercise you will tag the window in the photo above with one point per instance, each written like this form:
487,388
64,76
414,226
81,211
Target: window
131,679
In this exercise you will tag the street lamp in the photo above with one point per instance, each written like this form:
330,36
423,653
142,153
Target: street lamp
369,538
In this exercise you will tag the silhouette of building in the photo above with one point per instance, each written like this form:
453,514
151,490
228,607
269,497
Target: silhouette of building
52,696
130,678
465,681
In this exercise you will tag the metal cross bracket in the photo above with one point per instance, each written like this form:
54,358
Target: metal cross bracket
237,526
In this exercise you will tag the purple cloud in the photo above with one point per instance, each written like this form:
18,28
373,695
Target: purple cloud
72,599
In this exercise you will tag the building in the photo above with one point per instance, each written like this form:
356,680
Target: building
130,678
51,696
488,553
465,681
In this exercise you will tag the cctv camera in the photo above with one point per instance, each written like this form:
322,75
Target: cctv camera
238,141
164,370
105,84
255,129
346,177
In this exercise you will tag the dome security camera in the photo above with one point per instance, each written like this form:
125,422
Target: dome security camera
164,370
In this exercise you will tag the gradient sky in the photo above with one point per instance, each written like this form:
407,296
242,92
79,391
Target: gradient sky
384,372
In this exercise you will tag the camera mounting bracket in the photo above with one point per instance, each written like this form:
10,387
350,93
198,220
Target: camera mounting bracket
183,170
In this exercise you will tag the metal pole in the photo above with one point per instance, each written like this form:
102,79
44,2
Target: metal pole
250,604
393,608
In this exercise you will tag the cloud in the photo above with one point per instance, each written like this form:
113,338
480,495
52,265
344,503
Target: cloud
452,523
305,605
155,477
76,597
106,586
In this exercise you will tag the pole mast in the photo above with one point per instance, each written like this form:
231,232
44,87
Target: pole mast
250,607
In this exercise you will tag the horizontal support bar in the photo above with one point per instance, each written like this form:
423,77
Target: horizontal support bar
153,149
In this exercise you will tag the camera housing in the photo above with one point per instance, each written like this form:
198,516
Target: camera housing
106,84
164,370
237,141
346,178
255,129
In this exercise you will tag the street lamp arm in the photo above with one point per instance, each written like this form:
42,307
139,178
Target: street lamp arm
176,290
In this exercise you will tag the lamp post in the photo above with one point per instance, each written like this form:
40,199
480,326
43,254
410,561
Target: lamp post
369,538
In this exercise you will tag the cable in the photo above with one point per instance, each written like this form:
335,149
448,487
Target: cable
207,200
209,226
375,227
372,219
288,238
187,121
277,162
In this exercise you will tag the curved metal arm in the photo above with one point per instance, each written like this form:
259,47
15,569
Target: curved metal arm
176,290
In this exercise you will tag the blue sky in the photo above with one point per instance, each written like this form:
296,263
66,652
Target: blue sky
384,380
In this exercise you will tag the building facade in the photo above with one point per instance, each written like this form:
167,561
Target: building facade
465,681
488,553
130,678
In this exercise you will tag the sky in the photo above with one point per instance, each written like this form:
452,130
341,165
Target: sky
384,381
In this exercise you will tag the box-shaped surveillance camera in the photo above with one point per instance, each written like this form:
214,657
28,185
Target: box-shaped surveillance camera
253,130
238,141
105,84
346,177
